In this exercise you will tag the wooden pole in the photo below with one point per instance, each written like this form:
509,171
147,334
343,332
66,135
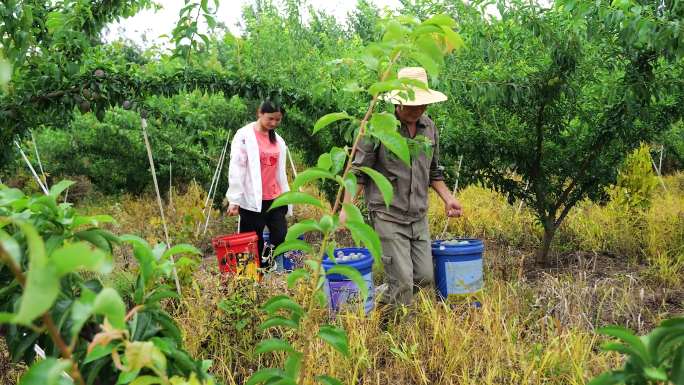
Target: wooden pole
143,123
33,171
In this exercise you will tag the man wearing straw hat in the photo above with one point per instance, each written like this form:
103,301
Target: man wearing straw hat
403,226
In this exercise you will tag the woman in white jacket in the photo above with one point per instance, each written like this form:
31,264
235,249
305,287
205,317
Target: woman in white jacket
256,176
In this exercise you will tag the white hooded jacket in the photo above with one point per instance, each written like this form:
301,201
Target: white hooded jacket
244,170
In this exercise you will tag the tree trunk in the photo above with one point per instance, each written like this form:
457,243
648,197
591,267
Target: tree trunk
543,252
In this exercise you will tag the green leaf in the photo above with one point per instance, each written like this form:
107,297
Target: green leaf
657,374
394,31
677,375
426,62
294,244
608,378
109,304
41,291
265,376
324,161
330,118
297,198
81,311
351,184
273,345
11,246
80,256
293,364
309,175
336,337
354,275
46,372
279,302
385,86
339,159
95,237
382,182
295,276
442,20
147,380
94,220
628,337
353,213
278,321
395,143
327,380
300,228
57,189
181,249
453,38
428,46
366,234
36,247
98,352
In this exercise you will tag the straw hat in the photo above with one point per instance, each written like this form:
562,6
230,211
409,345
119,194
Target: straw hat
422,96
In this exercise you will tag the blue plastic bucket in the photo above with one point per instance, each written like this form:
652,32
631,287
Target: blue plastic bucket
458,266
289,260
338,288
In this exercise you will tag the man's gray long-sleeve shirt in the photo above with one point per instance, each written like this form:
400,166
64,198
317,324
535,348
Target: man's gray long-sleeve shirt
410,184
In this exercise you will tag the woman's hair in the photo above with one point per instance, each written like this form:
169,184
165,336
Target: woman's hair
267,107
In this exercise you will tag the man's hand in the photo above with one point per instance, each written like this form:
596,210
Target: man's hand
233,209
453,208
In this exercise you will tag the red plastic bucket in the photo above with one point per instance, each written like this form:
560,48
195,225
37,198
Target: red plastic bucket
238,254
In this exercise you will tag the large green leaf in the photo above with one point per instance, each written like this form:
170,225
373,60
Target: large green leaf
453,38
98,352
293,364
324,161
336,337
425,61
350,184
81,256
277,321
41,291
57,189
354,275
11,247
296,198
273,345
428,46
629,338
339,159
309,175
366,234
294,244
385,86
279,302
300,228
384,185
96,237
81,311
330,118
395,143
181,249
266,375
295,276
677,375
36,247
109,304
45,372
442,20
353,213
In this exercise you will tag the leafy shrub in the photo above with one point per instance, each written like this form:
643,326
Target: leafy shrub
187,133
636,181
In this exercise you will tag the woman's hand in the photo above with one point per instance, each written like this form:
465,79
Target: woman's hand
233,209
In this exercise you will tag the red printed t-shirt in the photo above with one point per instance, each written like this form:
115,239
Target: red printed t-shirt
268,156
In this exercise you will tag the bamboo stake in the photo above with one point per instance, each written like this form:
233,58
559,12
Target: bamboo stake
40,164
215,188
33,171
212,189
143,123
